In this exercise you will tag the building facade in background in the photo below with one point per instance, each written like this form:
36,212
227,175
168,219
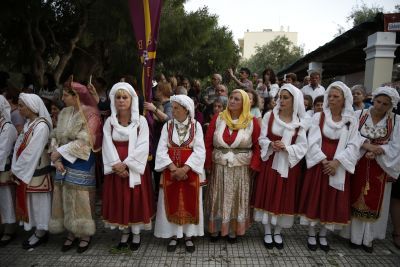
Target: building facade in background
251,40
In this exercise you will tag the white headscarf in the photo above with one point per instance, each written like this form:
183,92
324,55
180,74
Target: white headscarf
184,101
280,162
134,106
36,105
390,92
5,109
110,154
348,118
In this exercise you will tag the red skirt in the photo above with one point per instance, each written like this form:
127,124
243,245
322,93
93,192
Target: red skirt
367,189
123,205
274,193
181,198
318,200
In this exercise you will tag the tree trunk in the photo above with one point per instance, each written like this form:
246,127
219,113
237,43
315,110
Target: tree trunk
66,56
37,45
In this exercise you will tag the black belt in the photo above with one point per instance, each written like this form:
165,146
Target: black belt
42,171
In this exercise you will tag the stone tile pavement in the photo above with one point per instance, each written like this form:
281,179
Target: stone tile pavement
249,251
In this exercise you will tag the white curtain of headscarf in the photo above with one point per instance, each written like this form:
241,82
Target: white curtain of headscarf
186,102
390,92
5,109
110,154
280,162
36,105
348,116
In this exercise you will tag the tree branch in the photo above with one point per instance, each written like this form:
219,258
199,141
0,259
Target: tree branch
72,44
39,37
30,35
53,37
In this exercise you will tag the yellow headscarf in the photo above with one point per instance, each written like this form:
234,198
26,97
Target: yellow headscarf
245,117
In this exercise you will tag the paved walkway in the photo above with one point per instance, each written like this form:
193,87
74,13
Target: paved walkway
249,251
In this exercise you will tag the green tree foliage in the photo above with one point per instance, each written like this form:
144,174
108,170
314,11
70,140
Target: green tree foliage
363,13
96,37
276,54
193,44
41,34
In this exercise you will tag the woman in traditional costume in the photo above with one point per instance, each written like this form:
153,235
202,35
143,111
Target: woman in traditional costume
378,167
77,136
127,191
31,169
232,159
333,148
8,135
180,156
283,144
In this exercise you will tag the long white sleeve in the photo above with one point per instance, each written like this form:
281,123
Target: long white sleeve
390,161
198,156
137,160
263,140
108,148
349,156
298,150
162,157
7,139
314,139
25,166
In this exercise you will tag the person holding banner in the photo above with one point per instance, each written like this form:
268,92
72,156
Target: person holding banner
8,135
31,169
127,191
333,148
180,156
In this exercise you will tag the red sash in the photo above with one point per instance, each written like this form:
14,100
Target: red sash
181,198
21,208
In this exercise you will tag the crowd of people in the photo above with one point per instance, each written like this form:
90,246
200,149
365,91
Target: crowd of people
198,160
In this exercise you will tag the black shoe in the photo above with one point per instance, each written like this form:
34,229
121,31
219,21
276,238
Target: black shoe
172,245
11,237
84,248
232,240
214,239
135,246
189,248
65,248
312,247
368,249
278,245
354,246
326,247
41,240
269,245
124,245
394,236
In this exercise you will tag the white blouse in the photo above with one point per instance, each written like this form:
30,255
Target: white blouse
7,139
26,164
137,158
390,160
347,158
295,152
196,159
